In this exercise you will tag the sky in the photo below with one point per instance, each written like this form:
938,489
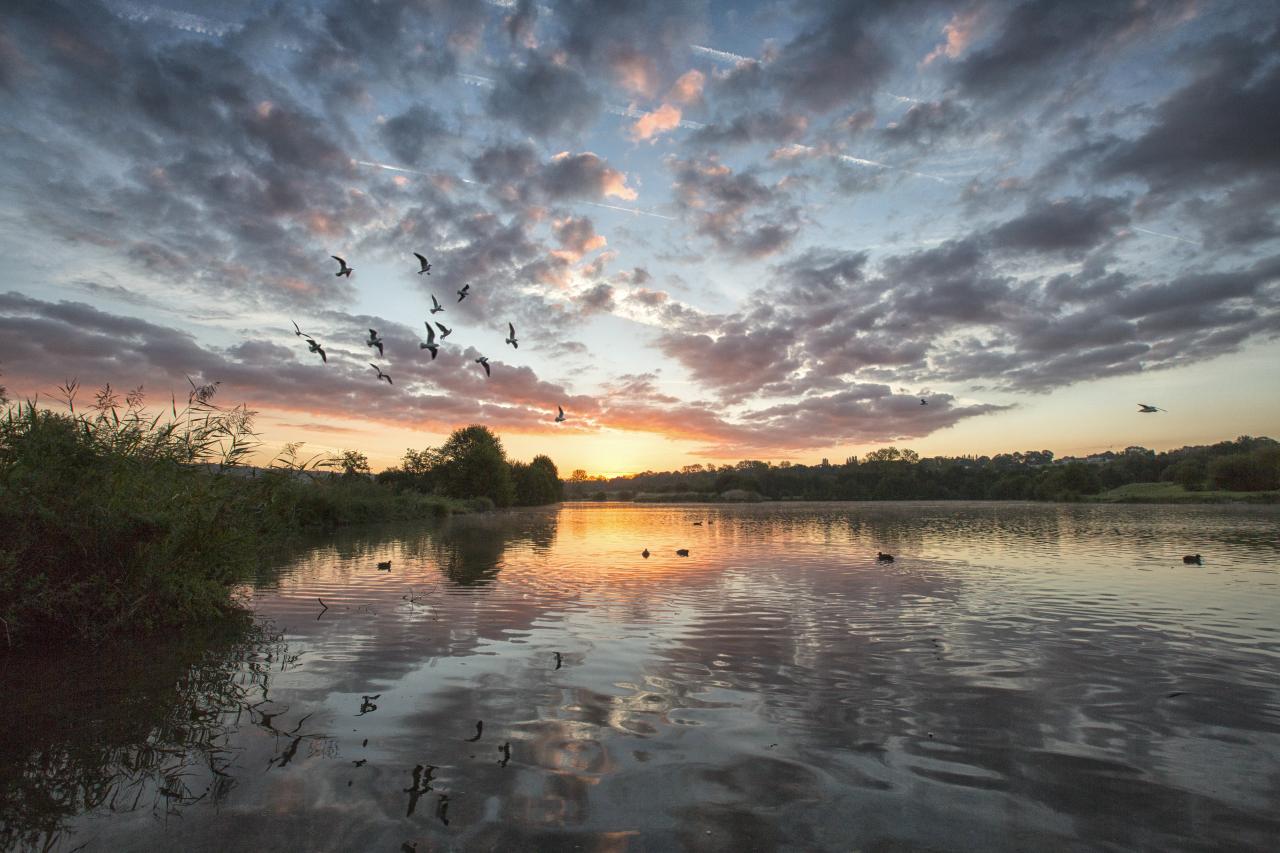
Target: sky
722,230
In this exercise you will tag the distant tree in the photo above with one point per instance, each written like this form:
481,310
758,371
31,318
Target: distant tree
1247,472
353,463
472,464
579,476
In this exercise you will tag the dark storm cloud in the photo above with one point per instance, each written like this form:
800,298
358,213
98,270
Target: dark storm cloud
544,98
408,134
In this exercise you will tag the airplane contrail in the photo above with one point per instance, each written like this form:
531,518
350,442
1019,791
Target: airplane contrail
632,112
862,161
720,55
1166,236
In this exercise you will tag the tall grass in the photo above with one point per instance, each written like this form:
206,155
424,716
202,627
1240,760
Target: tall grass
107,519
117,519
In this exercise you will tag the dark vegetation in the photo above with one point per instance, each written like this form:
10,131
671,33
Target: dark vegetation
1220,471
114,519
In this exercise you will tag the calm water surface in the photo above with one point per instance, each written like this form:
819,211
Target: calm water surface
1022,677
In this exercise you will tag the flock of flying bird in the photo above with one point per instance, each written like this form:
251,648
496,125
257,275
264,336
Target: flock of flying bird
483,361
430,343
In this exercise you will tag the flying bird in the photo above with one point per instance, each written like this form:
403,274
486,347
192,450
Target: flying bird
426,266
374,340
298,331
924,402
445,331
343,269
512,340
462,294
315,347
484,362
431,341
560,417
381,375
436,307
1147,409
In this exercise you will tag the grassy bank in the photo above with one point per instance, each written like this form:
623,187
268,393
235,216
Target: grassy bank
114,520
1174,493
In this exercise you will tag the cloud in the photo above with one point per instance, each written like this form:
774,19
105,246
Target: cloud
926,124
1064,225
958,34
544,98
741,215
661,120
688,87
584,175
753,127
577,237
407,135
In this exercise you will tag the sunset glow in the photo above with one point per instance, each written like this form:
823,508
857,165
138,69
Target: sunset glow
721,233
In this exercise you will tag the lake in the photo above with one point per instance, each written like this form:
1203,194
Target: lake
1020,677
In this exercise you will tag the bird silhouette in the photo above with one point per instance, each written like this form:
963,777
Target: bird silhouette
445,331
1146,408
343,269
1195,559
381,375
315,347
682,552
484,362
426,267
883,557
436,307
512,339
462,294
431,341
374,340
560,417
298,331
924,402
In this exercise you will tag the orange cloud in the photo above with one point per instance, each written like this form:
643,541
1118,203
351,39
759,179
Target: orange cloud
688,88
959,33
661,120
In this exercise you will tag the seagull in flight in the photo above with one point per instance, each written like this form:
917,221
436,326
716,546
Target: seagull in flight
436,307
924,402
484,362
426,265
315,347
374,340
298,331
381,375
1147,409
343,269
462,294
560,417
445,331
431,341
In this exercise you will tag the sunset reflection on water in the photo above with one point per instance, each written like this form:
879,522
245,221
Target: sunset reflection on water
1006,682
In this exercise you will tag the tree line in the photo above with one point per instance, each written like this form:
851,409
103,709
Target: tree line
1247,464
470,464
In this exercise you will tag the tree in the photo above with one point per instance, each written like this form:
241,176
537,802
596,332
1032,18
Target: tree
353,462
472,464
579,476
537,483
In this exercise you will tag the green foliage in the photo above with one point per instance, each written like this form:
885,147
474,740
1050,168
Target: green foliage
1247,472
108,523
537,483
472,463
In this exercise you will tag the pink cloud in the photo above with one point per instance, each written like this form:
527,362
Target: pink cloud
661,120
688,88
959,33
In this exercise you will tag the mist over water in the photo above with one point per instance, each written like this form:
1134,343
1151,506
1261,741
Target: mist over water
1019,677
